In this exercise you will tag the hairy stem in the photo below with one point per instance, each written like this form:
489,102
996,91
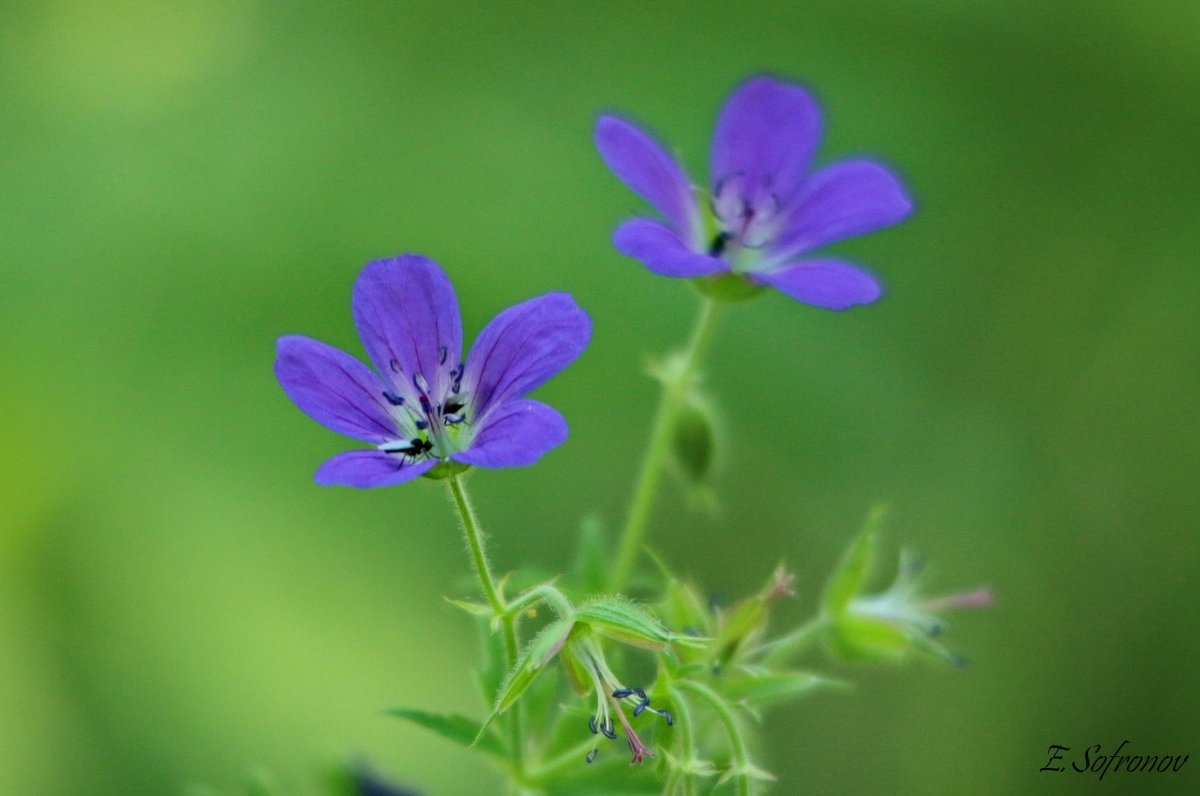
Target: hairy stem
674,392
495,599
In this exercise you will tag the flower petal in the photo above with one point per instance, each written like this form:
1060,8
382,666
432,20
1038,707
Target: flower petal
766,135
660,249
832,284
334,389
407,317
850,198
643,165
365,469
516,434
521,348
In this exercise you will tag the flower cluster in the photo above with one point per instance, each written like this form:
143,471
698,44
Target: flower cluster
426,410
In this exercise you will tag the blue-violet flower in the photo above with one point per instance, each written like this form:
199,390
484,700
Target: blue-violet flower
424,403
765,213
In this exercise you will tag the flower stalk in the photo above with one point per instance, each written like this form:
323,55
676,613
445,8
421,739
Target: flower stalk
495,598
674,392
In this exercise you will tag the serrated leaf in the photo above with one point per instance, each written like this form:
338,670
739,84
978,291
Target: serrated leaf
452,726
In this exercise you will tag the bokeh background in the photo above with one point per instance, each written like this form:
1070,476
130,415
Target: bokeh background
181,183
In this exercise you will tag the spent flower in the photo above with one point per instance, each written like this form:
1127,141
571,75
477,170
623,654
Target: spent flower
765,213
424,403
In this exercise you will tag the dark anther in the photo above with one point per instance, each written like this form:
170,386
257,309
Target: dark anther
621,693
451,407
395,366
425,405
420,383
641,694
717,248
607,729
422,425
592,725
645,703
393,399
442,355
666,714
592,755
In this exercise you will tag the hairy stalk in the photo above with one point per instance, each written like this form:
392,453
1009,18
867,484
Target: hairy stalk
741,758
683,714
673,394
495,599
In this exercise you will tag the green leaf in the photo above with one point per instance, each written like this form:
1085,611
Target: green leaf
851,573
453,727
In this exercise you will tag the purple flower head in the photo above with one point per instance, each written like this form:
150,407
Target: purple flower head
424,403
765,212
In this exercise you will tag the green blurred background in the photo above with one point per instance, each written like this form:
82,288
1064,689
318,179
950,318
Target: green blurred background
182,183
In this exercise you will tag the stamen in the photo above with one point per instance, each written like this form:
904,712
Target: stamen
422,425
393,399
425,405
442,355
608,729
395,366
592,725
592,755
641,707
621,693
666,714
420,383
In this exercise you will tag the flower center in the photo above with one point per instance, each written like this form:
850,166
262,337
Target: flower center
747,217
431,419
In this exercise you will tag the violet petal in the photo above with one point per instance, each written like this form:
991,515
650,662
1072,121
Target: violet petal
521,348
766,136
832,284
333,388
850,198
661,250
516,434
642,164
365,469
407,317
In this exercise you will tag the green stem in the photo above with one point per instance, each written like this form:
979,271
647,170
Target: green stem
495,599
741,758
673,395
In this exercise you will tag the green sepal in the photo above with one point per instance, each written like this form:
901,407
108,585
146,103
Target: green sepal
544,647
727,287
446,468
852,571
453,727
868,639
623,620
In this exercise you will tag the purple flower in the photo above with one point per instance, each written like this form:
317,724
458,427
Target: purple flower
765,213
424,403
